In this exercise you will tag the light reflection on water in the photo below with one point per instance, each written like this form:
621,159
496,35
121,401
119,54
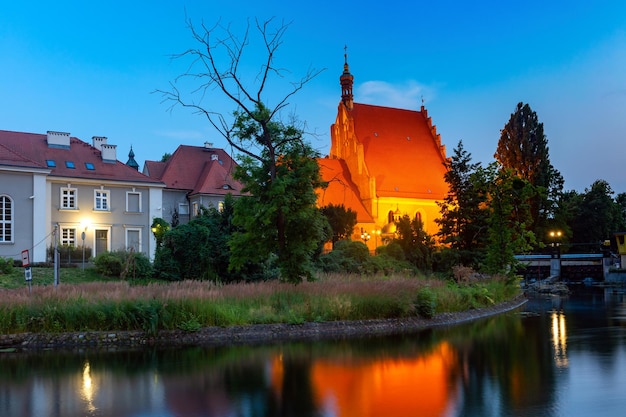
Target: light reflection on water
569,359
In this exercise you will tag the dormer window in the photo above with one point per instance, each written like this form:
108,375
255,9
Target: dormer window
226,187
214,157
70,164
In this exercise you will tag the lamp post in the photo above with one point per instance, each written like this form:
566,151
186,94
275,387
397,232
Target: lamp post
555,261
82,236
376,233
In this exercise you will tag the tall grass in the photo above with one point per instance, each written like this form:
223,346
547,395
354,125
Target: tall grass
189,305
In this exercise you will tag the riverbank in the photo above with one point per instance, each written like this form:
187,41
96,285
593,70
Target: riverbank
239,335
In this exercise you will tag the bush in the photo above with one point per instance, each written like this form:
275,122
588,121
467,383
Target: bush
6,266
124,264
426,303
108,264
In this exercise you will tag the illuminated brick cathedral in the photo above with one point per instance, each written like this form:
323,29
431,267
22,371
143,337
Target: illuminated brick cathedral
383,163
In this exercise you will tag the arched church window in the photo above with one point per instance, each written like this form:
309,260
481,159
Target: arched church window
390,218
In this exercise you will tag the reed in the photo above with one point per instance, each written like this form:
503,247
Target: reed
189,305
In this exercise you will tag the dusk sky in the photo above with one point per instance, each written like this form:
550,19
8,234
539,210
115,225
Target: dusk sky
91,69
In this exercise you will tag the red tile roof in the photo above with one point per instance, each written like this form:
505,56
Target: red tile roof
400,150
197,169
341,189
34,147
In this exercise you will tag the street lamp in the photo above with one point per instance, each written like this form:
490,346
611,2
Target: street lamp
555,263
365,236
376,233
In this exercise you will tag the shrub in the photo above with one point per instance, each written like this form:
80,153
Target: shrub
108,264
426,303
6,266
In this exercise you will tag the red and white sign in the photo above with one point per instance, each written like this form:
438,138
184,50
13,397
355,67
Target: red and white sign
25,258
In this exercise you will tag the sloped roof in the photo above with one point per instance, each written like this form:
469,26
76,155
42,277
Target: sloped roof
198,170
341,189
400,151
34,147
10,158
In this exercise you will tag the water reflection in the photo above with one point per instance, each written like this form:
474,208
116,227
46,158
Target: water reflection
548,364
559,339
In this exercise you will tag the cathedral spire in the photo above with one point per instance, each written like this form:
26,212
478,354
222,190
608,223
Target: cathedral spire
347,81
131,159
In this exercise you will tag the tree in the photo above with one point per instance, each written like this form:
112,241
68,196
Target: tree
509,215
198,249
342,221
597,218
415,242
523,148
271,152
463,222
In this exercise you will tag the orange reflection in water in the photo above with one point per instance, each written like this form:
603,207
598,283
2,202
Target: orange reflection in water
386,387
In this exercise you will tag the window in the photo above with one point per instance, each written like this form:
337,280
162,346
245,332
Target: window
220,206
6,219
101,200
133,202
183,208
133,239
89,166
68,198
68,236
194,209
50,163
70,164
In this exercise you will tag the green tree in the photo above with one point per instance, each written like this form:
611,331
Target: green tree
198,249
463,222
597,218
279,216
341,220
508,204
415,242
523,148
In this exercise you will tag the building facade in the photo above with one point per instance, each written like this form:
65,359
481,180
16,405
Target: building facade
384,163
195,177
54,187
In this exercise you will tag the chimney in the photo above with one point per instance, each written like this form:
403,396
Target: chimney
58,140
208,145
98,141
108,153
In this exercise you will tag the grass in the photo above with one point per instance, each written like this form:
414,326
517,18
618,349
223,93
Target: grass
84,301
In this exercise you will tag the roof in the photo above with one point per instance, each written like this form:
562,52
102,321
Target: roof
341,189
198,170
402,151
32,150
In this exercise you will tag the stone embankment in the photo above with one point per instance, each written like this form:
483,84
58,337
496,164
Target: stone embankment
237,335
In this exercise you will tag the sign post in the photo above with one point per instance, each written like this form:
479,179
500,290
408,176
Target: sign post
28,275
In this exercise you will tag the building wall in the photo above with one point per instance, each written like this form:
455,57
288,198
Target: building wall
18,186
118,228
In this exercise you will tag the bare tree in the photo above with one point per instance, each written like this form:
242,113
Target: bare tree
209,73
277,166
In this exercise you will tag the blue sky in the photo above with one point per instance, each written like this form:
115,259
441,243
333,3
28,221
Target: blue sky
90,68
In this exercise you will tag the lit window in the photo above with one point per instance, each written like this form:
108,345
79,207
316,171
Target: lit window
68,237
70,164
133,202
101,200
50,163
89,166
220,206
194,209
68,198
6,219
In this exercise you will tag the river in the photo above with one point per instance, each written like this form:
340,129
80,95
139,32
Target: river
557,356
